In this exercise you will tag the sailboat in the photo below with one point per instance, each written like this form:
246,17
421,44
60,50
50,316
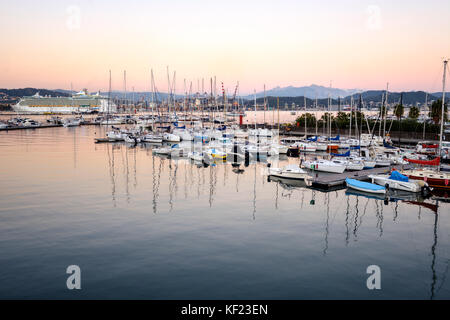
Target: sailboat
438,178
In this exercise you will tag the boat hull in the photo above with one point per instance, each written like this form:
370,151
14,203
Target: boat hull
394,184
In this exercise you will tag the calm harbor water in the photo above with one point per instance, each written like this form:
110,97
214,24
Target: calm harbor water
141,226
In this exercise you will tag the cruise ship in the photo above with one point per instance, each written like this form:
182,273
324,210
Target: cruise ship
81,102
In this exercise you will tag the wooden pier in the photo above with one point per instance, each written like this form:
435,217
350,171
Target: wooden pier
337,181
43,126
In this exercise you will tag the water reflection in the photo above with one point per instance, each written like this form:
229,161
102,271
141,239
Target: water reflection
221,216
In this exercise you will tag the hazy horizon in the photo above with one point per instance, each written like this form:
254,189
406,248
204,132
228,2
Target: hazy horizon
353,44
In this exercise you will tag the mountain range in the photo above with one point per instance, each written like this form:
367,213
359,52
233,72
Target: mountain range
287,95
313,91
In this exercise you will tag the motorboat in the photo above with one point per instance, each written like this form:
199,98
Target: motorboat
71,122
433,178
129,138
324,165
398,181
170,137
151,138
350,165
115,135
289,172
305,147
365,186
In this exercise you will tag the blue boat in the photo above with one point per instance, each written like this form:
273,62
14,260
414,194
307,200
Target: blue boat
365,186
347,154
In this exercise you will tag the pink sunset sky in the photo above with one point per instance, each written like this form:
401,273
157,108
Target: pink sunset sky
355,44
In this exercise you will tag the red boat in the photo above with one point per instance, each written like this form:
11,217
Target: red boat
434,162
434,179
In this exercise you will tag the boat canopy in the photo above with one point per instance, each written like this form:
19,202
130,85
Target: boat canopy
347,154
430,146
179,127
387,145
395,175
337,138
313,139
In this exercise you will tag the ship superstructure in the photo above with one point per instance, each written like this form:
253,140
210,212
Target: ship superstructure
80,102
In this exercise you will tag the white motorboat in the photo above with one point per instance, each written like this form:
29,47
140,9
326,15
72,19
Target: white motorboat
382,161
398,181
324,165
112,121
290,172
184,135
115,135
169,137
151,138
71,122
29,123
305,147
350,165
319,146
129,138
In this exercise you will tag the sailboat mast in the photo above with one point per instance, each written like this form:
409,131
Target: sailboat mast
255,108
424,120
351,114
443,111
264,106
278,112
359,131
385,111
109,99
304,102
381,111
152,88
317,126
168,92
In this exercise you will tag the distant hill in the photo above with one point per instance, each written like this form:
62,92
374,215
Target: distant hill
313,91
31,91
